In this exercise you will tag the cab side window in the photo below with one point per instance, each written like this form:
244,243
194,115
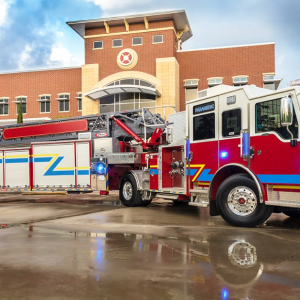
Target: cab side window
231,123
267,118
204,127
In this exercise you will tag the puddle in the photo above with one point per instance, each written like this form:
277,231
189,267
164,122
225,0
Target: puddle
209,265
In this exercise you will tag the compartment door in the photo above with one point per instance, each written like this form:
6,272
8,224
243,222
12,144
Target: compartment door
83,164
16,168
54,165
1,169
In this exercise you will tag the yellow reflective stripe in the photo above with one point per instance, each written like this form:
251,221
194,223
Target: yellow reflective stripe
294,187
16,156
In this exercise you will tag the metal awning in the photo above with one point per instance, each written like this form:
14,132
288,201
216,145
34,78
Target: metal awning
120,89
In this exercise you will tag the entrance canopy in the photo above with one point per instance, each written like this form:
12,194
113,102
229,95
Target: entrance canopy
99,93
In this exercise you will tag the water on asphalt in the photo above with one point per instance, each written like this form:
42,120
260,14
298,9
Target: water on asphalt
159,252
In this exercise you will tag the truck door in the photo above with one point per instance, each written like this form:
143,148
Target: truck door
203,125
274,160
230,136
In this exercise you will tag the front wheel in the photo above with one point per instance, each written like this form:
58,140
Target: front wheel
128,193
238,202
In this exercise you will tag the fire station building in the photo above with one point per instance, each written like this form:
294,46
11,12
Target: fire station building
133,62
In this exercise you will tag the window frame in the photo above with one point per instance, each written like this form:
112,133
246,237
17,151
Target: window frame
45,103
94,48
162,39
3,103
137,37
278,134
240,82
24,104
117,40
201,115
64,101
79,99
236,135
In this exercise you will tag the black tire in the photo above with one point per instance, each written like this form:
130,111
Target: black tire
135,199
294,214
146,202
245,217
176,202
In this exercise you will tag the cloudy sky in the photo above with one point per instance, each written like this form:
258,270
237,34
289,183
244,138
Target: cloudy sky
33,33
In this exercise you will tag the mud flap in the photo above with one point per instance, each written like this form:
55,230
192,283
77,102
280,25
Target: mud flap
213,211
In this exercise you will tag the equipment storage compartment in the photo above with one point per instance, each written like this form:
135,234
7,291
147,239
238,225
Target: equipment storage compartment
16,169
54,165
172,165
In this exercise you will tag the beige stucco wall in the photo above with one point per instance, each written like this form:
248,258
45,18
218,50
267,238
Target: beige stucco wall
166,82
90,77
167,70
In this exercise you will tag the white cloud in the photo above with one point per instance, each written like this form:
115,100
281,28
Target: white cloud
25,57
4,6
117,6
62,57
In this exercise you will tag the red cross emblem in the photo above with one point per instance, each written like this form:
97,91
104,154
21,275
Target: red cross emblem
126,58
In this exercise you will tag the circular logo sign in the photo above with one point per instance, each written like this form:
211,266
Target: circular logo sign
127,59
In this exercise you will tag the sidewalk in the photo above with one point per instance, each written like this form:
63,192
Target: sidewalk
88,198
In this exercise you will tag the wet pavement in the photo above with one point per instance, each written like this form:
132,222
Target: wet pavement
163,251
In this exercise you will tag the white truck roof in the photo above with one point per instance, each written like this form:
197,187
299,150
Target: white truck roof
252,91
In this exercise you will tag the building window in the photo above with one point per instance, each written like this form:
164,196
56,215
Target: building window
79,101
64,102
132,82
44,103
269,77
127,101
117,43
157,39
214,81
24,106
98,45
240,80
191,89
270,82
137,41
4,106
267,118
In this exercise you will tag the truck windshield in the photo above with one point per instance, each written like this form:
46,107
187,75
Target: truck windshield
267,116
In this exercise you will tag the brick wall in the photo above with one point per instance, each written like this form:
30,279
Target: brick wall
147,53
33,84
252,61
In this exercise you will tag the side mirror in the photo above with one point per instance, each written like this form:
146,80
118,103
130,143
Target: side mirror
286,111
286,116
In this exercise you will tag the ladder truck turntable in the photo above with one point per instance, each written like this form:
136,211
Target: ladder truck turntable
234,149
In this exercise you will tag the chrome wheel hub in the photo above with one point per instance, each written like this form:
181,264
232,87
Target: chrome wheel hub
127,190
242,254
242,201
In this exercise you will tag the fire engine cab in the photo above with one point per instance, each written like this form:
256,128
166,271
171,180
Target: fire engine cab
234,149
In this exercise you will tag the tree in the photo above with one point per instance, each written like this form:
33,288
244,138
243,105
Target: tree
20,112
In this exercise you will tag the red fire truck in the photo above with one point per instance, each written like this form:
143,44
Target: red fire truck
233,149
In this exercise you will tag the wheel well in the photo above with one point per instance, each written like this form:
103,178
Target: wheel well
227,171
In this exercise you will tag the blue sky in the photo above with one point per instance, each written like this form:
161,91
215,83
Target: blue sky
33,33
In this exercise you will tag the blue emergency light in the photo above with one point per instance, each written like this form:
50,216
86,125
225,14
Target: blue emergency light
224,154
101,169
225,294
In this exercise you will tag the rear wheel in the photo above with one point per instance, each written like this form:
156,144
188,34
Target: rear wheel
128,193
238,202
